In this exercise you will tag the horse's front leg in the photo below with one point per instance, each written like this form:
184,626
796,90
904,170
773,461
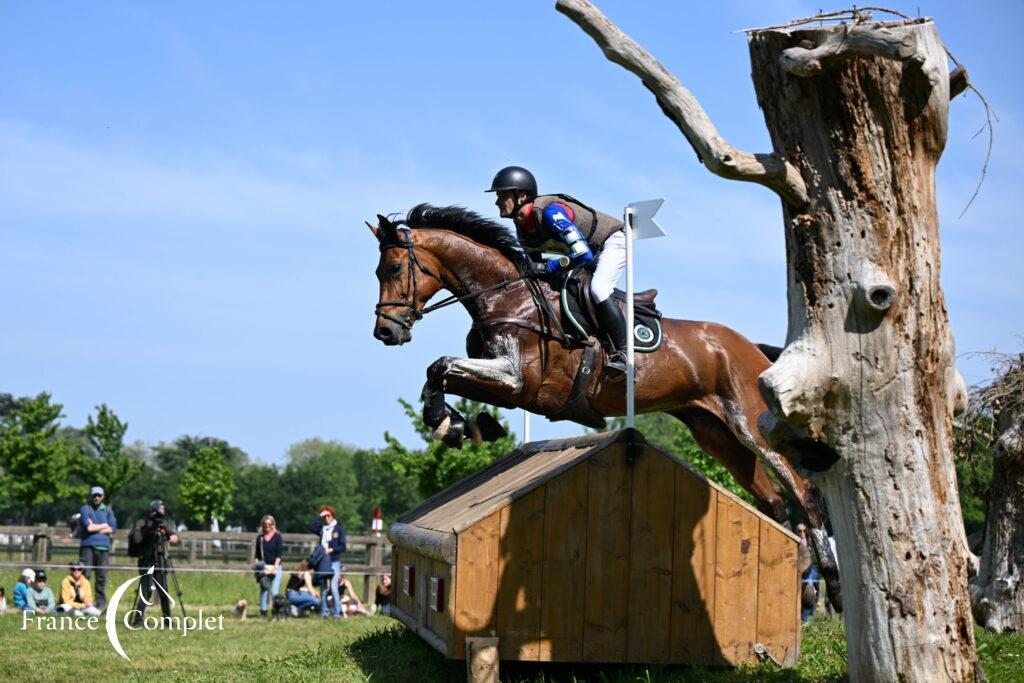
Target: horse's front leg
490,380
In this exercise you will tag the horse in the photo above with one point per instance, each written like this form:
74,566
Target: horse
704,374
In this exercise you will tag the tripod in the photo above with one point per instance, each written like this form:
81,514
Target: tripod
162,565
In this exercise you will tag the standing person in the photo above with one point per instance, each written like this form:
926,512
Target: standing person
98,523
558,223
147,542
76,593
39,597
808,575
269,549
332,539
20,596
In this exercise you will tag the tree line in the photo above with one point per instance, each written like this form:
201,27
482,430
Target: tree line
47,468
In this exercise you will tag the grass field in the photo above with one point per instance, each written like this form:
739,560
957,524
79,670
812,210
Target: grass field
359,649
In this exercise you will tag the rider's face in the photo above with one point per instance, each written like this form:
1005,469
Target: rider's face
506,202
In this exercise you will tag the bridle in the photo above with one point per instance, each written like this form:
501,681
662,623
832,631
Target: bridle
407,321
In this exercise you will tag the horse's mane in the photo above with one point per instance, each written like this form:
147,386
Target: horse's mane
465,222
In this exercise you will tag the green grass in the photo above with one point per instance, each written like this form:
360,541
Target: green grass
360,649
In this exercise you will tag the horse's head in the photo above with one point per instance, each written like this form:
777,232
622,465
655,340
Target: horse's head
408,278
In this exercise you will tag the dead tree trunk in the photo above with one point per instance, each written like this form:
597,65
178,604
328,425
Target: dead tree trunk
997,592
864,392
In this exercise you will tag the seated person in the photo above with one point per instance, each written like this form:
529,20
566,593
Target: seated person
76,593
382,600
40,597
20,597
350,604
300,591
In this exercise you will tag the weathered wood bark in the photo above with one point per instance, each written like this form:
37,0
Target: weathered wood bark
997,592
865,389
864,392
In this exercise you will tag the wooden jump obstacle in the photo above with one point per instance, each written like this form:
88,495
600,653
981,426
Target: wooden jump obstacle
571,551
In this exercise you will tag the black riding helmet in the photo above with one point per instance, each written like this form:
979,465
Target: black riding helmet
515,178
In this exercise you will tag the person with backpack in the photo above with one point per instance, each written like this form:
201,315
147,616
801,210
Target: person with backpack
97,523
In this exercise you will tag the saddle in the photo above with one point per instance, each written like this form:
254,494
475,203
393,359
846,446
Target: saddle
578,312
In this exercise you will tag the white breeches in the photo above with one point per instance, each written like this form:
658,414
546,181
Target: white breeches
610,264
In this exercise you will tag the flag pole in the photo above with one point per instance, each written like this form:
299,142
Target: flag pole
630,377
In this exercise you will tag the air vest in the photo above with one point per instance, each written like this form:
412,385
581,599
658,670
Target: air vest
595,226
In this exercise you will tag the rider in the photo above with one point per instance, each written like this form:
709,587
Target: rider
558,223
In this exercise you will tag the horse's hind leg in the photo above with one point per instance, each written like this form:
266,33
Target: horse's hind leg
717,441
806,495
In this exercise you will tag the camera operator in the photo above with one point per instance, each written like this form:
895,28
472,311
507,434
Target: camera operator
148,542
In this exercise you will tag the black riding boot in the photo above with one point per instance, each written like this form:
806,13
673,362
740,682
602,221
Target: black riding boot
613,324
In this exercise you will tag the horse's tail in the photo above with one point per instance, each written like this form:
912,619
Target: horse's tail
772,352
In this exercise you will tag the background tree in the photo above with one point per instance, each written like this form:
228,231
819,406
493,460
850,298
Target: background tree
108,464
864,392
995,419
436,466
207,484
36,467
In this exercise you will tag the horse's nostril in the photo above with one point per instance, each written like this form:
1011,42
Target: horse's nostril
383,333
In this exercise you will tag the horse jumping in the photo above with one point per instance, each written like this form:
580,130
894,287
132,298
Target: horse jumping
704,374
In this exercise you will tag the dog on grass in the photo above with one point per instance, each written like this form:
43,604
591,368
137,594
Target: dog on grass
240,609
282,608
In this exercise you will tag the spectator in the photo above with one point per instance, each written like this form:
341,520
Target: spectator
148,543
808,576
382,600
20,597
300,591
98,523
332,539
40,597
3,601
350,604
76,593
269,549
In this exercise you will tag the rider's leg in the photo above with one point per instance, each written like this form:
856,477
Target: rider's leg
610,264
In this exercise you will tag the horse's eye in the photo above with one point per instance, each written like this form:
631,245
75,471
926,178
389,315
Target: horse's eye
394,269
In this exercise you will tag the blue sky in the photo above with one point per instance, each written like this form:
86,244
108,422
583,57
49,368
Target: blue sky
183,188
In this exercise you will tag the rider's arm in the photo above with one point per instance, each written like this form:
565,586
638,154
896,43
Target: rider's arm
557,220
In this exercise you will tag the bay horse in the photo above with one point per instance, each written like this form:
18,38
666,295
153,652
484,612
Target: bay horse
704,374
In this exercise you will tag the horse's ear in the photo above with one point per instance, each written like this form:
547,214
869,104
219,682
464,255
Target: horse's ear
374,230
385,228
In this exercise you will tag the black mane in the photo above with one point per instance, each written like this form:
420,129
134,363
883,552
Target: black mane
465,222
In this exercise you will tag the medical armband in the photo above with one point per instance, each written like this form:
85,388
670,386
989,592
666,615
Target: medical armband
558,222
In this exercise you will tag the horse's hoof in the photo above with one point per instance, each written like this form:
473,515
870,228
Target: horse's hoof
490,429
455,435
442,429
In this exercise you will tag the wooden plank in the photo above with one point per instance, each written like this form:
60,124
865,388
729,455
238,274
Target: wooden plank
477,587
693,575
650,566
520,577
778,591
605,615
398,561
565,551
736,568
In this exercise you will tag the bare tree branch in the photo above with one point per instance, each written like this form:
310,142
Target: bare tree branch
682,107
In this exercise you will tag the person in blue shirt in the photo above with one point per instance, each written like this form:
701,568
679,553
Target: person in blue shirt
98,523
20,596
332,539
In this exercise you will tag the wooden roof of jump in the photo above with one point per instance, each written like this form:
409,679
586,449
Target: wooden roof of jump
466,502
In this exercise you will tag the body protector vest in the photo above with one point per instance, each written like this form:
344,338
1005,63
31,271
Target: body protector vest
595,226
